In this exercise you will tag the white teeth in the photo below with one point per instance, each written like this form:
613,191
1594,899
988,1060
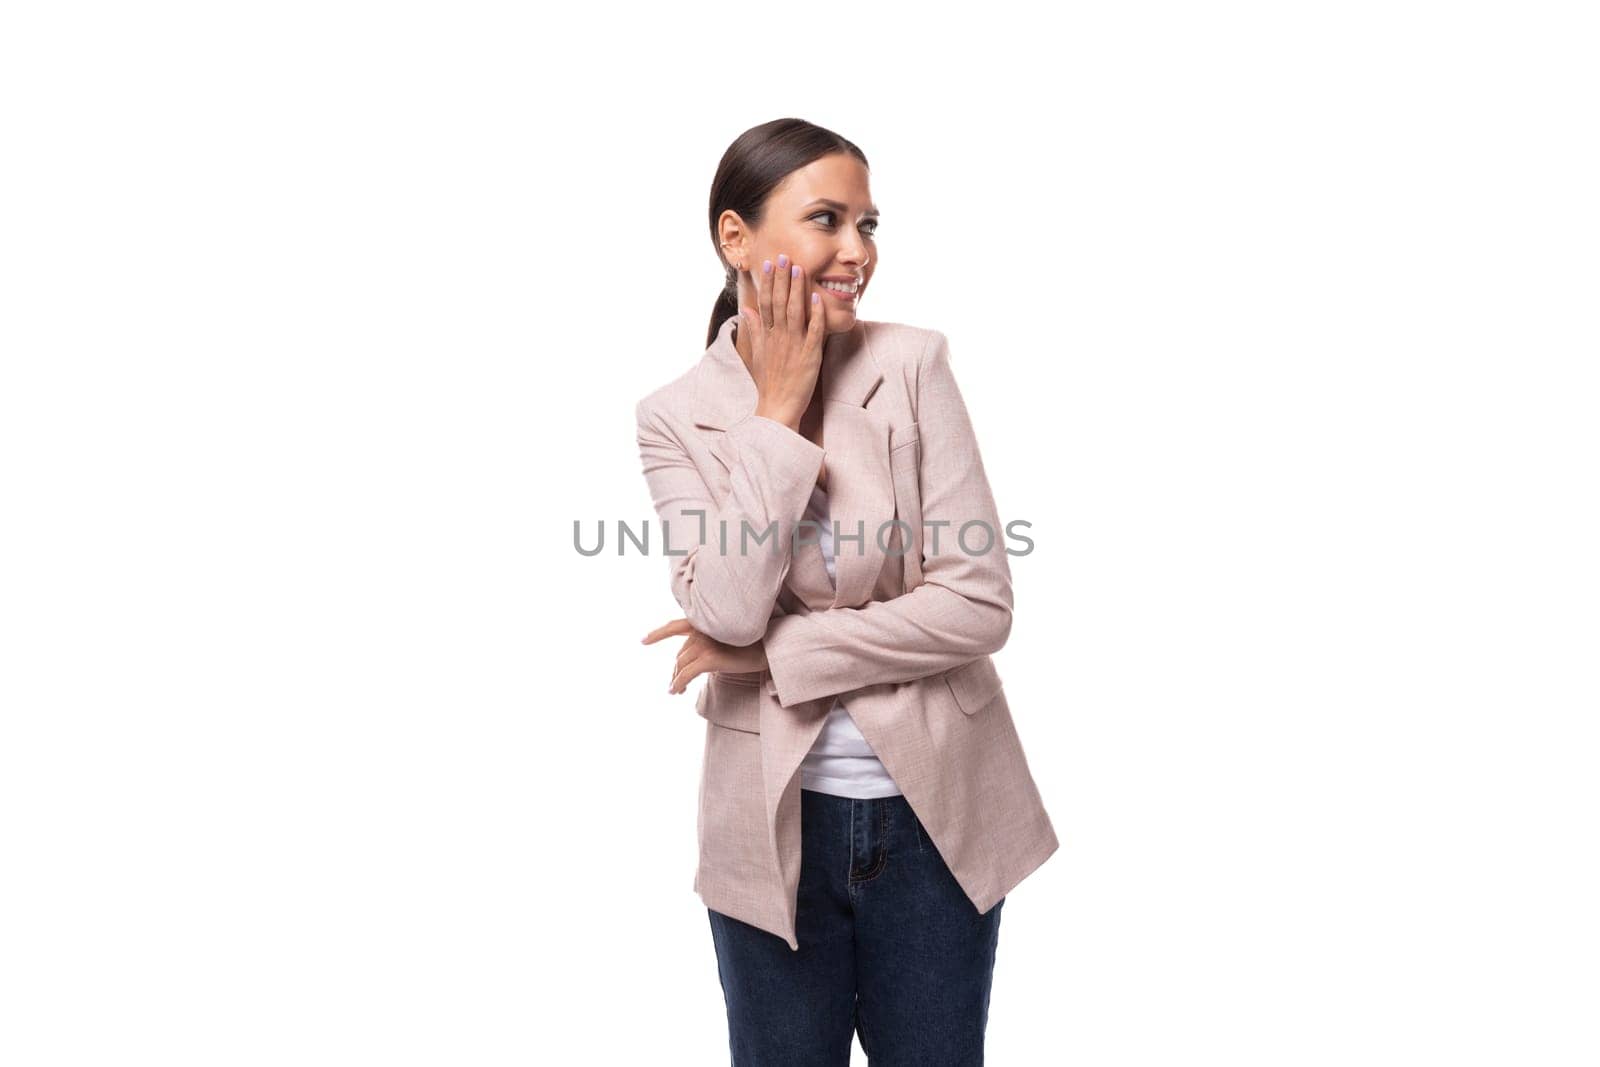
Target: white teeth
843,287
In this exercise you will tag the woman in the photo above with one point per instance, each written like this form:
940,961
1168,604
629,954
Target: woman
865,803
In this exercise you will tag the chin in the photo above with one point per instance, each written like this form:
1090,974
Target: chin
841,320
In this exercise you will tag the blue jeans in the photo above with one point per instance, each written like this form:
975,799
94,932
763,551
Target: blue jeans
891,949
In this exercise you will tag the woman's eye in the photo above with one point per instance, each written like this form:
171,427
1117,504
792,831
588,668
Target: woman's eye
872,224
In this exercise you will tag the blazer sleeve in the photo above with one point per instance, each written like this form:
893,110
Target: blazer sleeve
961,612
728,593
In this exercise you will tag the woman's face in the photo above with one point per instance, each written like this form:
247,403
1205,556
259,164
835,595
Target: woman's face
830,241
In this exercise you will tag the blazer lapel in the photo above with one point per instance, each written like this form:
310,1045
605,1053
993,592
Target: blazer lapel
859,484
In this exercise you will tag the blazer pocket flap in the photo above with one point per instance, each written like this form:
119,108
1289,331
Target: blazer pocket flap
974,684
901,436
733,701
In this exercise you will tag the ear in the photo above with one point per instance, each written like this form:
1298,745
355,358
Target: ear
734,238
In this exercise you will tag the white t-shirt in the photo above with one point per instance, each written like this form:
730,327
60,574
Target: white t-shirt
840,762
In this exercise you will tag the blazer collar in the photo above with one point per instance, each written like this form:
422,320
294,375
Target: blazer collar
725,392
861,492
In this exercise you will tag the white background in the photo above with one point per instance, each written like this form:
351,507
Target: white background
322,323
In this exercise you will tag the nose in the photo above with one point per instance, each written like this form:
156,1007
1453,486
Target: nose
854,253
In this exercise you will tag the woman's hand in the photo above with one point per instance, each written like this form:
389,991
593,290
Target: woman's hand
786,334
700,654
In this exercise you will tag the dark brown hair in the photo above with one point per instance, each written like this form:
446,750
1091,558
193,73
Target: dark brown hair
756,163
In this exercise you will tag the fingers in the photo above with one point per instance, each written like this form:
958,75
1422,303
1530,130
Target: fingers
676,626
694,658
797,301
698,647
764,294
818,324
686,673
785,295
781,276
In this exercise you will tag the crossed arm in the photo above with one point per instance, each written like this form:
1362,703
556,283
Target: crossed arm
963,608
961,611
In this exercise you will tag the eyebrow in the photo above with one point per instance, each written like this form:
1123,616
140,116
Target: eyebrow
870,213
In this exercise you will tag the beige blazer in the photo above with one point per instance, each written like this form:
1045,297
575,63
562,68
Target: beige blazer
905,639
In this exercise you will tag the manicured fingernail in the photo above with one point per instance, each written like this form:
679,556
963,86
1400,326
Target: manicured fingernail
783,259
816,298
766,266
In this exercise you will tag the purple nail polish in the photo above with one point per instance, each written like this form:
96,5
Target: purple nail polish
794,271
766,266
783,259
